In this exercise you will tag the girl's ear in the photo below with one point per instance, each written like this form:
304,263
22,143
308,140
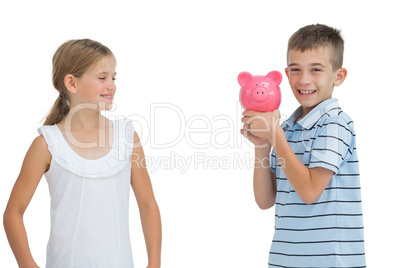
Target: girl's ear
70,83
340,76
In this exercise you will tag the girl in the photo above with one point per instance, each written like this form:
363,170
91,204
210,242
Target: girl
86,161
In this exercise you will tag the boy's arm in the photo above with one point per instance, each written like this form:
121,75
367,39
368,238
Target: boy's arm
149,210
35,164
309,184
264,182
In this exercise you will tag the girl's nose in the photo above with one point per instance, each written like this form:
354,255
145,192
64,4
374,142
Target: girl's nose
111,85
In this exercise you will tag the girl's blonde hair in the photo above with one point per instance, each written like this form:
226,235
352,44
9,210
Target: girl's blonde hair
73,57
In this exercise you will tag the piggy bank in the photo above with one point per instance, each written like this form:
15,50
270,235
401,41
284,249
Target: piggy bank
260,93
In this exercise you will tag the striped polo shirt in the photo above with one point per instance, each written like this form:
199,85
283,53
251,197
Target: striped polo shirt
329,232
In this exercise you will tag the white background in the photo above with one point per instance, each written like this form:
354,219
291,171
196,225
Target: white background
188,54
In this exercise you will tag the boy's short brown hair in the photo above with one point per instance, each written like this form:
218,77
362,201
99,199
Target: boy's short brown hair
319,36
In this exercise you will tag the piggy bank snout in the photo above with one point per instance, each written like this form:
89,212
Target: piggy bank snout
260,94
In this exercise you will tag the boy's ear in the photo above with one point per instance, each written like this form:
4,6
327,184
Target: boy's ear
70,83
287,72
340,76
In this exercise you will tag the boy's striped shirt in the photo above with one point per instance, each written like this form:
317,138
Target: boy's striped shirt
329,232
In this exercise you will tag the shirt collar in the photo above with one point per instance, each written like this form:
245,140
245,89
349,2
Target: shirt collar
313,116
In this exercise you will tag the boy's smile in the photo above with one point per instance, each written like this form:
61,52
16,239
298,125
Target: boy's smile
311,76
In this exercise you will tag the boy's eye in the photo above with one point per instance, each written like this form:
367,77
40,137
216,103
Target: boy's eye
294,70
316,70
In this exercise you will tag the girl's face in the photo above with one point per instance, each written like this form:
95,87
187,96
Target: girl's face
97,85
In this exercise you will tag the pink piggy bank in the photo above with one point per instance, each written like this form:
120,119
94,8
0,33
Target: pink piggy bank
260,93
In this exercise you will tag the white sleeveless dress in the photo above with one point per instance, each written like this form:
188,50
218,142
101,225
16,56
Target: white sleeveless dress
89,203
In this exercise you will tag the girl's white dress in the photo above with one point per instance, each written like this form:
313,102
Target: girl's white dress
89,202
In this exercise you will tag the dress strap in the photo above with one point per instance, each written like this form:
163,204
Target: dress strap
52,138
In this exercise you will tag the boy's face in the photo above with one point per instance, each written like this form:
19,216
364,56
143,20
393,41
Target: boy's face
311,76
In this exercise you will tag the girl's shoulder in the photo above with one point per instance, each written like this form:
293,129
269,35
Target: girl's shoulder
39,144
38,153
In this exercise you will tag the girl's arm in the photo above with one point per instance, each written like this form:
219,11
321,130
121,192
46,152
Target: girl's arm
149,210
36,162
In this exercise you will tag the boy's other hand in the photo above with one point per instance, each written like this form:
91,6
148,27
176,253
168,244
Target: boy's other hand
252,138
260,128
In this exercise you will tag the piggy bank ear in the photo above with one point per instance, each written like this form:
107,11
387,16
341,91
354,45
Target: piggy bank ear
243,78
276,76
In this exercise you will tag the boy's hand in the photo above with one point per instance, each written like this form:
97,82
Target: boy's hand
259,127
258,141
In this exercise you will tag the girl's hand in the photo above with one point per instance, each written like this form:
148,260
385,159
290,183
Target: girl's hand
261,127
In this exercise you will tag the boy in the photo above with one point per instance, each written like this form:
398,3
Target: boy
314,175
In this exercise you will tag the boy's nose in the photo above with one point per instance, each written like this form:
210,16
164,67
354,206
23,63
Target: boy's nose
305,79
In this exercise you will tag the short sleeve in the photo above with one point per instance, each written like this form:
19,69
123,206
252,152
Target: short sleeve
331,145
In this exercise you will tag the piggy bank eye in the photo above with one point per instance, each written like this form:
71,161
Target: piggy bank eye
256,85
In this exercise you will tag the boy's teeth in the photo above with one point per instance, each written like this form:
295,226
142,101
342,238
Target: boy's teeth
306,92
